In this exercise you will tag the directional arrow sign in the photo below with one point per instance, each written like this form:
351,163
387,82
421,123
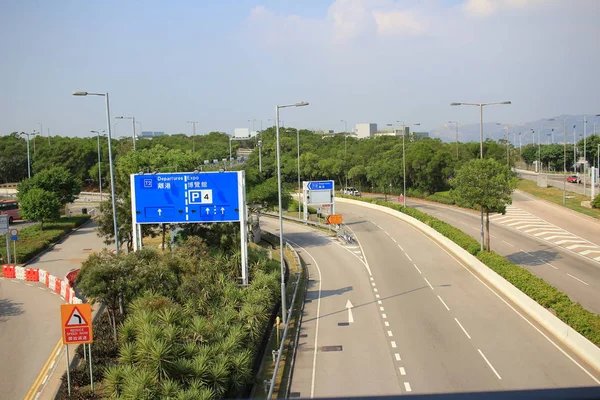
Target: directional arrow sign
222,210
159,212
349,306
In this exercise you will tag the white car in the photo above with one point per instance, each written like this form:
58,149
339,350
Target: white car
351,191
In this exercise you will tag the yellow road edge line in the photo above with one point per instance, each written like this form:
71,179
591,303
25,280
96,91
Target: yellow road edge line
36,384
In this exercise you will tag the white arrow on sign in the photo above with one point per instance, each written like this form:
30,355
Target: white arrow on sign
349,306
159,212
222,210
207,210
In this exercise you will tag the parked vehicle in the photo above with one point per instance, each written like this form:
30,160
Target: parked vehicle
573,179
351,191
10,208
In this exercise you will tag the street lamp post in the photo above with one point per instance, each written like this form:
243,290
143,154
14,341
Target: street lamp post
193,135
28,154
480,105
282,261
456,123
110,162
99,168
133,123
345,158
299,189
260,144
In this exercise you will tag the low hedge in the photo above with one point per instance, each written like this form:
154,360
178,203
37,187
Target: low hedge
570,312
549,297
33,240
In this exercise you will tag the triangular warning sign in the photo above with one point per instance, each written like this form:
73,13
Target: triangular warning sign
76,318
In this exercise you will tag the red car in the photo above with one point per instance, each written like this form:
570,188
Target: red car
573,179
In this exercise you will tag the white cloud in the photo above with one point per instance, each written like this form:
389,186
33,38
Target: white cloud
485,8
394,23
349,18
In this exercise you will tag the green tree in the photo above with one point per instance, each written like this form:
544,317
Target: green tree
487,184
57,180
39,205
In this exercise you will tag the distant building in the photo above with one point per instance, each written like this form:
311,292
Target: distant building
150,135
420,135
365,130
325,132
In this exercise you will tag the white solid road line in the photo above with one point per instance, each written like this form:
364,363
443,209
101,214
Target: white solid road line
381,309
314,366
489,363
390,334
393,344
365,262
462,327
407,387
576,278
443,303
428,283
373,283
402,371
397,355
386,323
384,316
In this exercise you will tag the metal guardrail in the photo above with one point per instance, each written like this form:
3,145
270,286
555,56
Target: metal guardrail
300,220
271,382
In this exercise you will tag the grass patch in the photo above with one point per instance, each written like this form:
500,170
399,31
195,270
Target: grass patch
549,297
555,195
33,240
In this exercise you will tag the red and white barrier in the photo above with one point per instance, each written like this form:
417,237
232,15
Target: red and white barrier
57,285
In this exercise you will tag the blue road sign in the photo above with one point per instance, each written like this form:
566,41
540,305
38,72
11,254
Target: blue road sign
320,185
14,237
187,197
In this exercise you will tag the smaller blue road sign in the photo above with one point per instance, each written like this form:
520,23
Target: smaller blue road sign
320,185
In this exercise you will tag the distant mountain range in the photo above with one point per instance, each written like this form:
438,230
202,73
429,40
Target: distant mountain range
495,131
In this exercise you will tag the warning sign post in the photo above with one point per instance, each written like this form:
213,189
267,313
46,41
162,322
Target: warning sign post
76,323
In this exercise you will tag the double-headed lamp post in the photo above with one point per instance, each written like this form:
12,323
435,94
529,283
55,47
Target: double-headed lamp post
99,168
110,162
133,123
193,135
283,302
481,105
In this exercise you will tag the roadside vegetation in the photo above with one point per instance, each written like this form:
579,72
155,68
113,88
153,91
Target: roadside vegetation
184,328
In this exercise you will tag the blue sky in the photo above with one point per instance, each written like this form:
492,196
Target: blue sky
224,62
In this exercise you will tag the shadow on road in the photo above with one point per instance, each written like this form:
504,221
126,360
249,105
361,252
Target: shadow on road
9,308
533,259
315,294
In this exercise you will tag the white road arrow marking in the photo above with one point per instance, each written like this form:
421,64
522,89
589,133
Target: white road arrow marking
349,307
159,212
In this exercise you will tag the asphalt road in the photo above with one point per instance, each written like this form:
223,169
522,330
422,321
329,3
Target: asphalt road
549,251
338,356
29,332
452,332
